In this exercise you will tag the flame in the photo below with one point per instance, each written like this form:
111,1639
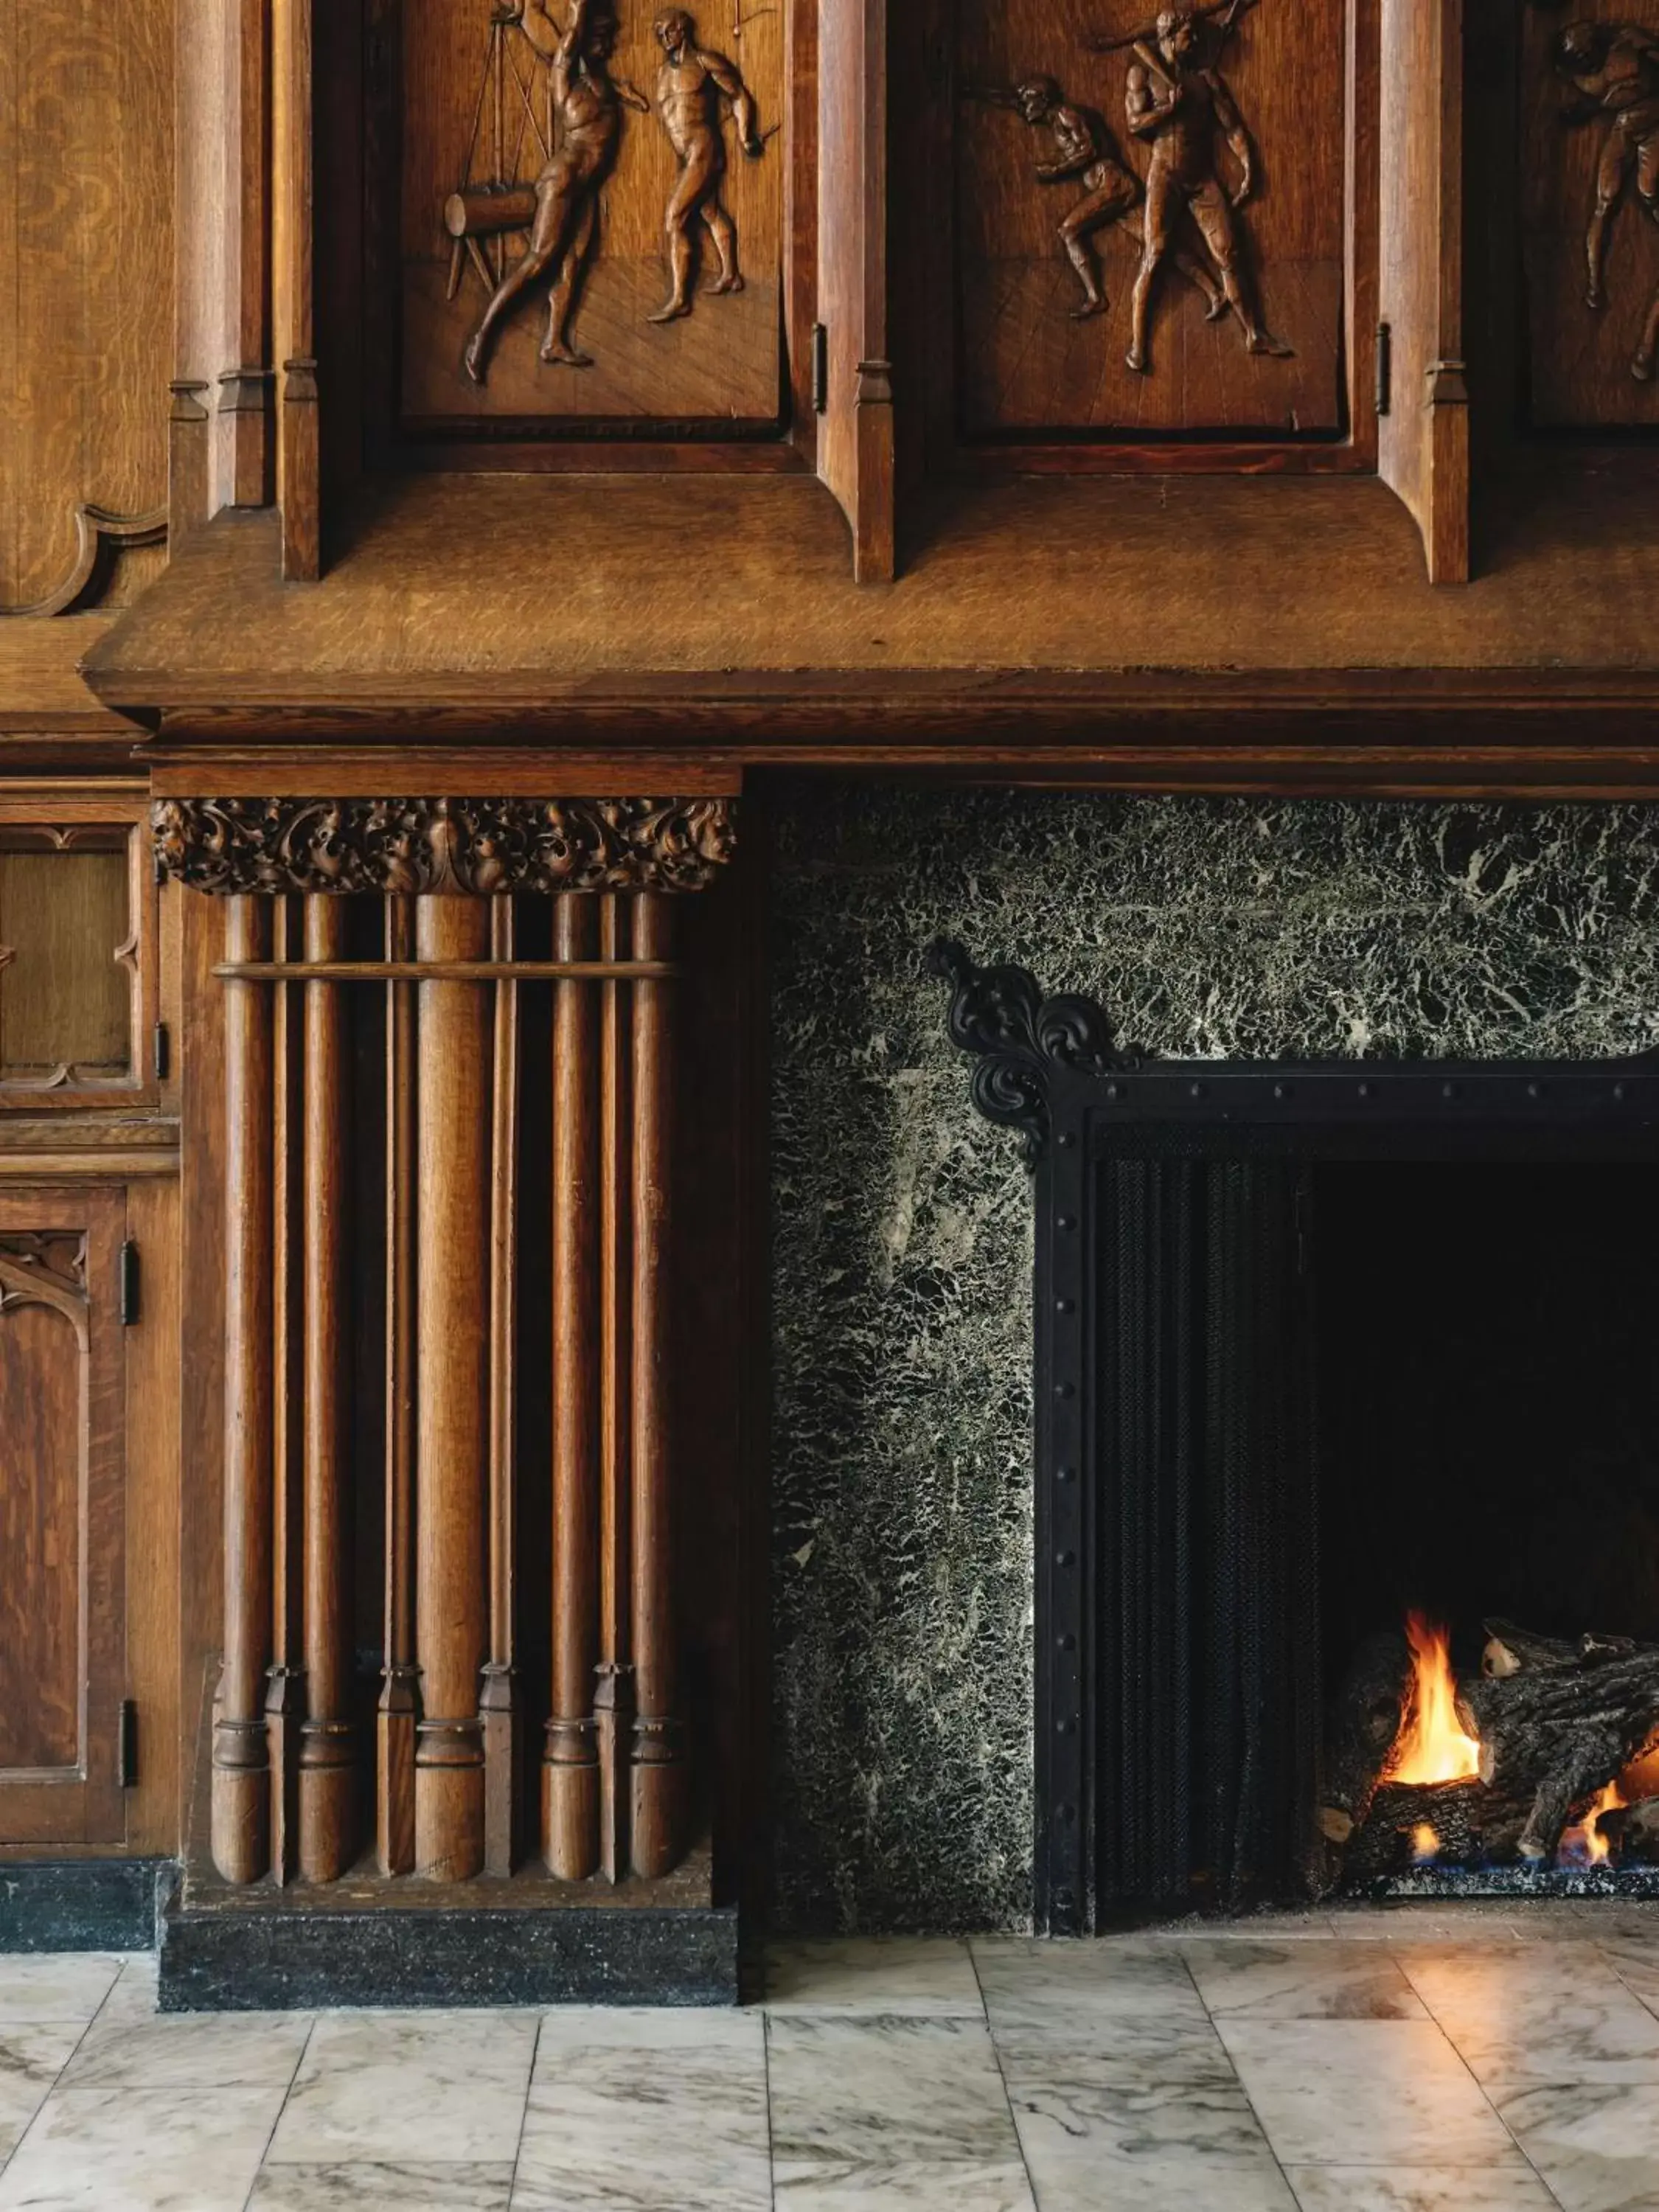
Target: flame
1583,1843
1425,1844
1432,1745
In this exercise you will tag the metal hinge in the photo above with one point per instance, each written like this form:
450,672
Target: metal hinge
821,368
128,1283
163,1052
1384,368
126,1747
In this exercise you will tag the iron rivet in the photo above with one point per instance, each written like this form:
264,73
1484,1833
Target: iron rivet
1113,1092
1449,1090
1068,1643
1062,1900
1065,1390
1066,1221
1068,1727
1068,1474
1534,1091
1619,1091
1066,1139
1365,1089
1068,1812
1065,1305
1065,1559
1195,1090
1279,1090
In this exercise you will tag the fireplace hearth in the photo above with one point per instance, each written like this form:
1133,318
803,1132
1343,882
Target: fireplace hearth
1341,1371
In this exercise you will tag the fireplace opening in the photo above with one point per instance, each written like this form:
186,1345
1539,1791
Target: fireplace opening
1348,1469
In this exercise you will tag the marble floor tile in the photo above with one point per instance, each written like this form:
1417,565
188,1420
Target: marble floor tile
1424,2189
1078,2183
1635,1960
675,2129
149,2150
56,1985
187,2050
1363,2092
134,1996
404,2186
395,2085
912,2186
648,2028
31,2059
1476,1921
1596,2143
926,1977
1306,1927
1301,1981
1537,2013
1045,1990
892,2092
821,2185
1119,2112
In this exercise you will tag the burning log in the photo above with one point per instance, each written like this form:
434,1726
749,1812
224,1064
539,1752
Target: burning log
1450,1823
1560,1721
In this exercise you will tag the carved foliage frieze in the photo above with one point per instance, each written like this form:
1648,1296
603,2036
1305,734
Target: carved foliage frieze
482,847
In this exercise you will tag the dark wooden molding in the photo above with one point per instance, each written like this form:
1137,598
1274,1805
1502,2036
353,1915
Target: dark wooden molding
482,847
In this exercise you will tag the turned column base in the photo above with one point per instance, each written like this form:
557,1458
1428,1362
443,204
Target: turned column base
328,1799
570,1800
449,1799
241,1800
661,1797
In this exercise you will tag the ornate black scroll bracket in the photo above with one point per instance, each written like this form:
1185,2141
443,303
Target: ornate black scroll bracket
1022,1039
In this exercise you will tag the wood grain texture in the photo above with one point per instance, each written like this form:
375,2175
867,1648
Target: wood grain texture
451,1397
86,252
499,1700
394,1766
856,439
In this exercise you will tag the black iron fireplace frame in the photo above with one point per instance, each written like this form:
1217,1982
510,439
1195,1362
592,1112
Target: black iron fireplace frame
1052,1070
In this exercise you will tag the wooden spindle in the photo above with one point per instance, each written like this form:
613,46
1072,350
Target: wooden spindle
453,1295
498,1701
659,1770
285,1690
570,1771
613,1690
327,1749
240,1794
394,1727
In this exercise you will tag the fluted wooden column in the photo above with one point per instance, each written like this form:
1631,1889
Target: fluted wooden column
241,1802
327,1749
659,1771
498,1699
453,1448
570,1772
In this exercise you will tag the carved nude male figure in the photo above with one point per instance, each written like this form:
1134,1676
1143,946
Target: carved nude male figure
690,87
1614,68
1179,107
1084,149
589,109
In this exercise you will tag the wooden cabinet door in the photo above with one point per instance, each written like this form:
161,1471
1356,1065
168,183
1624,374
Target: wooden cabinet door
63,1629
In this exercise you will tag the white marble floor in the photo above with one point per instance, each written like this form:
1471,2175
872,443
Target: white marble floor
1469,2060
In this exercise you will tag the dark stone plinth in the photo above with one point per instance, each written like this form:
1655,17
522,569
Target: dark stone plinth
1631,1883
81,1905
220,1959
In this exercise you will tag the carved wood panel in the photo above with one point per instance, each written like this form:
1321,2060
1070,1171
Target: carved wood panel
1588,188
1074,124
612,179
61,1630
86,268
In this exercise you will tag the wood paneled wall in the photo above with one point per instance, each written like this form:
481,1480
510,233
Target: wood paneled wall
86,261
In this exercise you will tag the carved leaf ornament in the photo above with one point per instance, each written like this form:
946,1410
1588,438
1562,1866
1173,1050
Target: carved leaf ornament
477,846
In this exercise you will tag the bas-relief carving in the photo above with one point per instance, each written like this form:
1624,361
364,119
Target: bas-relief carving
481,847
43,1268
695,86
99,537
1183,188
1613,72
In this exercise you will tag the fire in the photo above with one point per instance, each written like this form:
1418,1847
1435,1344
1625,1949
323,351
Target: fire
1583,1845
1425,1844
1432,1745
